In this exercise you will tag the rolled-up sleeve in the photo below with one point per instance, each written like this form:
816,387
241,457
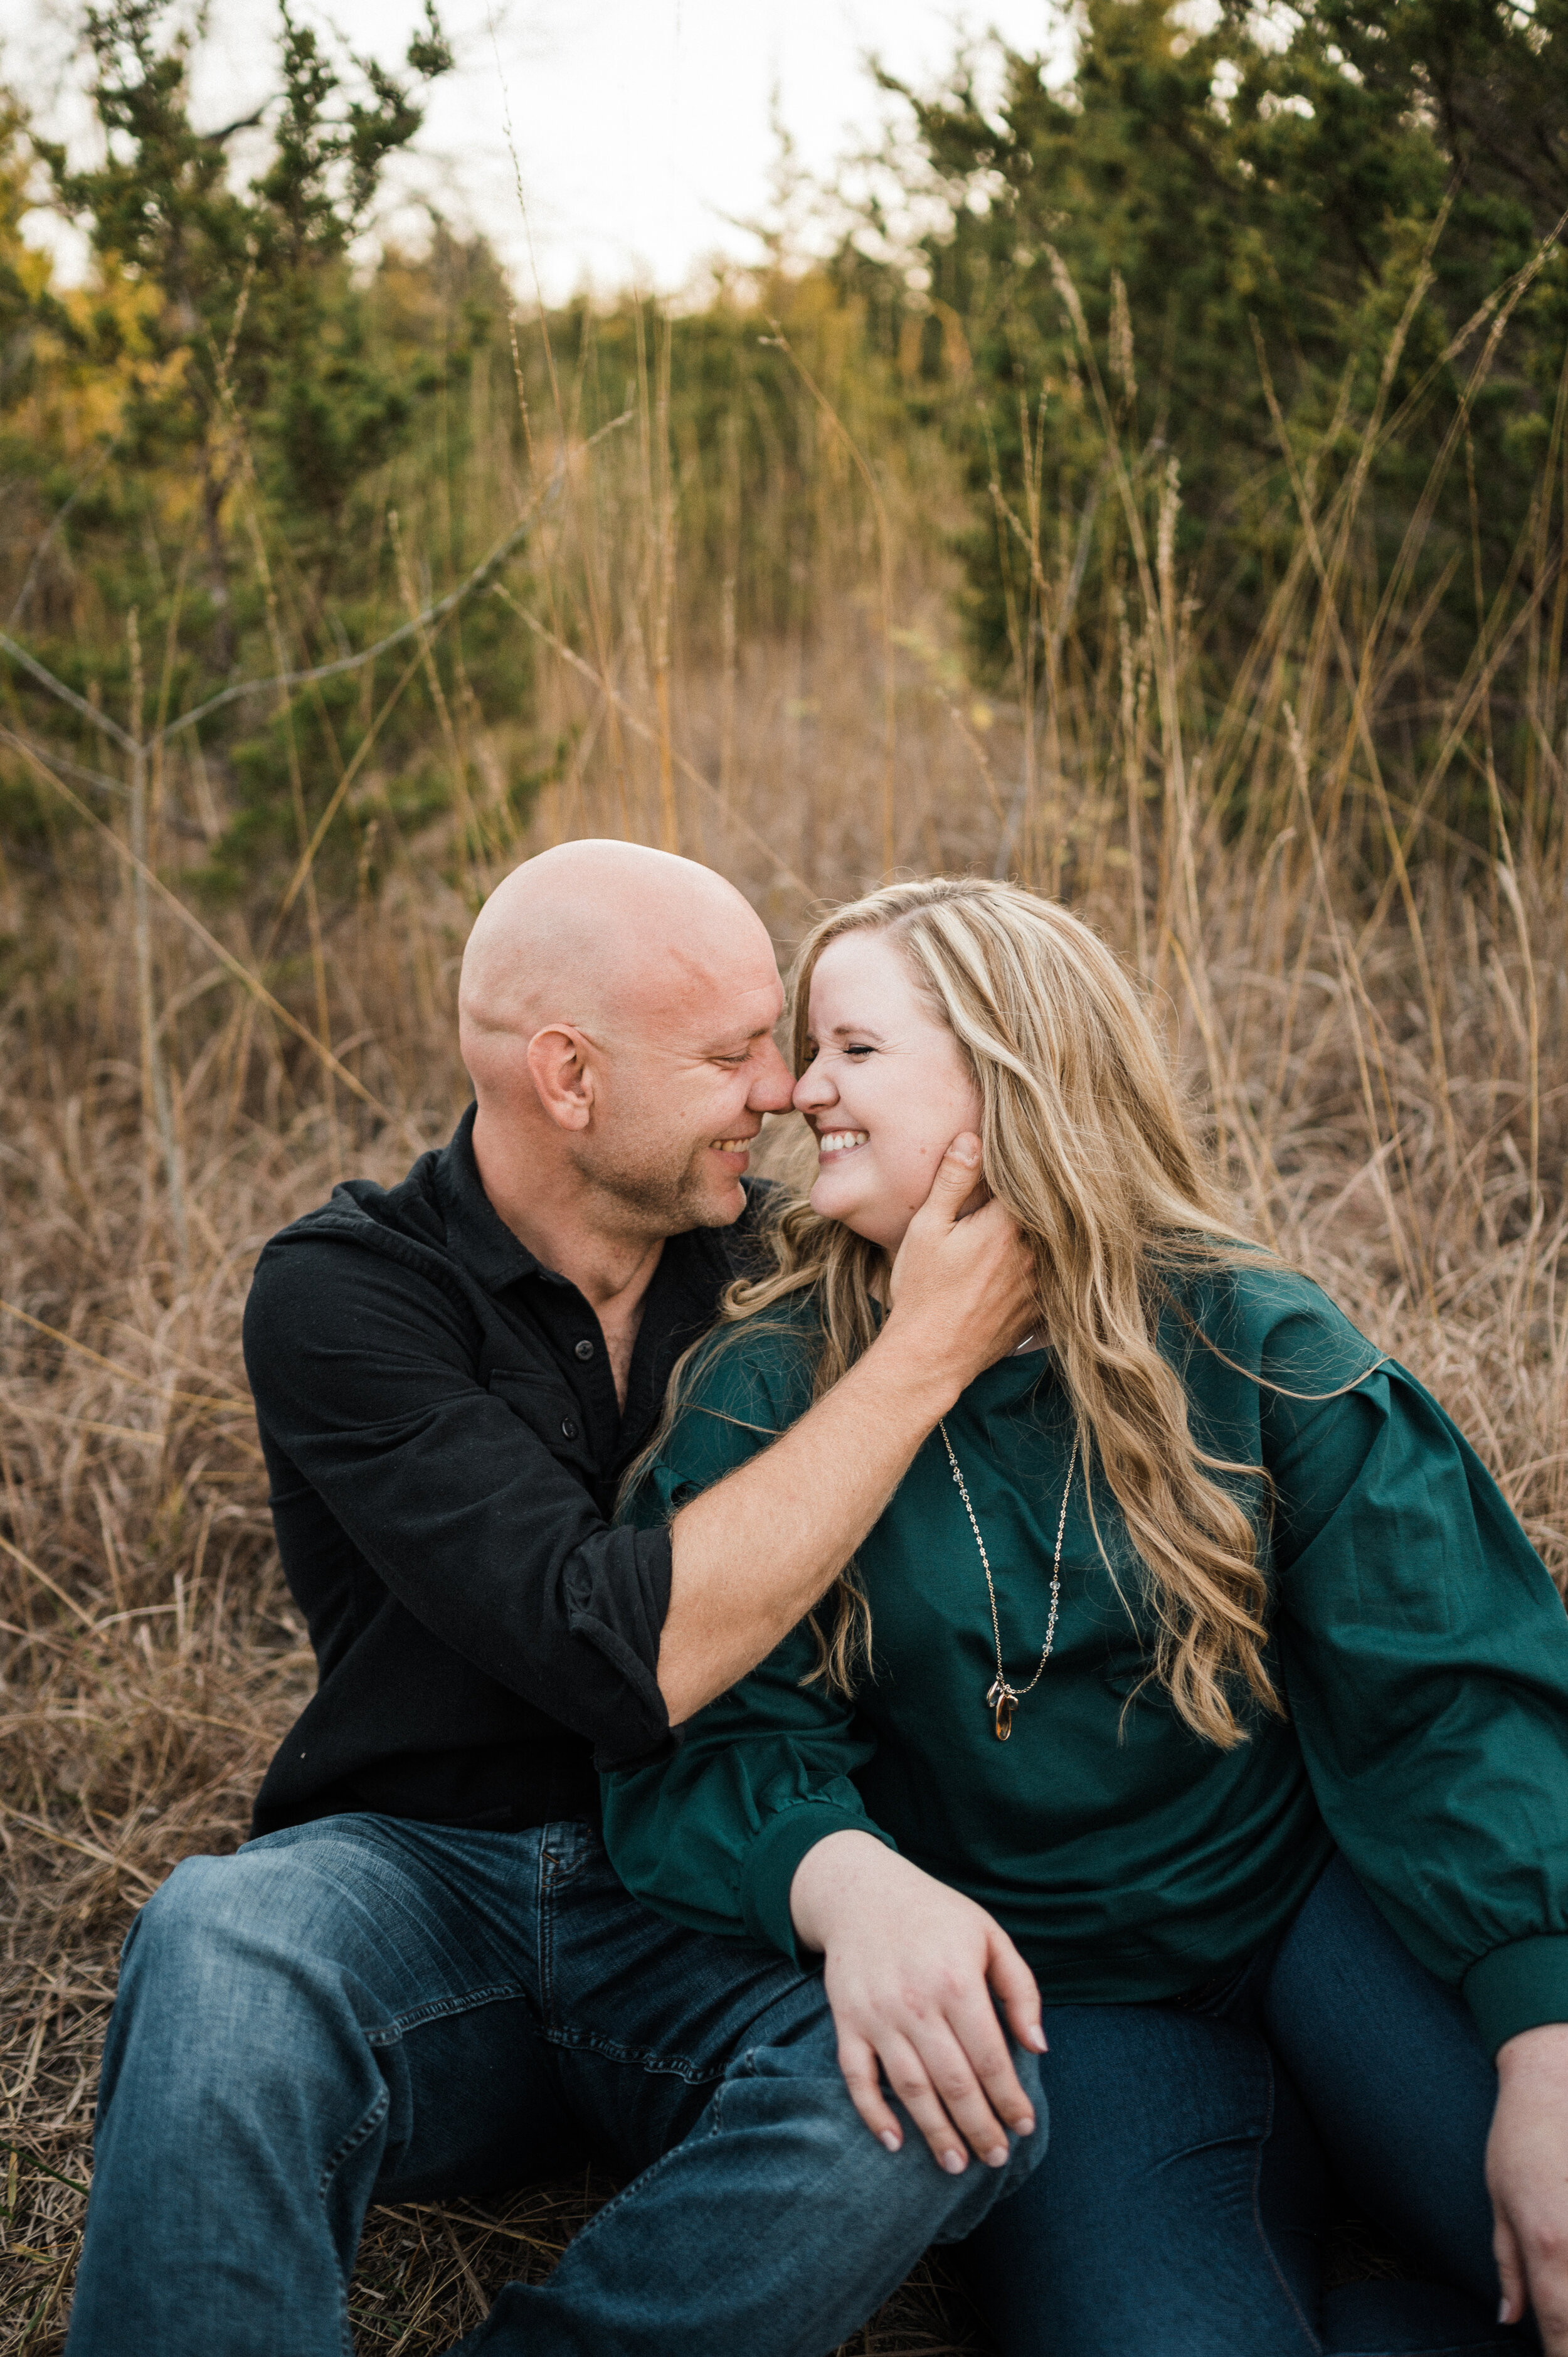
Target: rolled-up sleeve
368,1399
713,1834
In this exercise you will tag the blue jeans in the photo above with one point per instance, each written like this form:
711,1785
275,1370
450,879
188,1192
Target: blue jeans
1181,2209
369,2009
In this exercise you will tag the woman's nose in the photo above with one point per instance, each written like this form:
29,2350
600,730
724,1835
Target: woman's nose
813,1088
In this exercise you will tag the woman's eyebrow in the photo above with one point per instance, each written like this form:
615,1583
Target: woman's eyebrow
857,1031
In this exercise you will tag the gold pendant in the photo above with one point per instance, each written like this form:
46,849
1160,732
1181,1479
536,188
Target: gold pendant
1004,1701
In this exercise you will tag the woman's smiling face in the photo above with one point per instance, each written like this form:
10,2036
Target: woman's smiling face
886,1089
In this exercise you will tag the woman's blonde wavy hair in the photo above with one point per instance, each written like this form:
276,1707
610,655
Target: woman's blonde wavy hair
1086,1142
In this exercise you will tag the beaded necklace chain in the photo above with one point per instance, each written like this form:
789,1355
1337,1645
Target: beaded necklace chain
1002,1698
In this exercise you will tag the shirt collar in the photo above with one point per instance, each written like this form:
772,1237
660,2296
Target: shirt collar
698,1260
475,1229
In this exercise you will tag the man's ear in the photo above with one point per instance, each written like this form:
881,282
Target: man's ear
561,1076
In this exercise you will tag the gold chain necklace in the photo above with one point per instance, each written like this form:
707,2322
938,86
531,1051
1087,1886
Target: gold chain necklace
1002,1697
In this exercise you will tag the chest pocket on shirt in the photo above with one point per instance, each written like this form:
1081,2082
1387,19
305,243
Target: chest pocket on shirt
553,1414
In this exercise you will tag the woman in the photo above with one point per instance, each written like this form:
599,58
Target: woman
1198,1666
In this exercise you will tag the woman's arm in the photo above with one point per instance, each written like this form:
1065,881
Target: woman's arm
1425,1654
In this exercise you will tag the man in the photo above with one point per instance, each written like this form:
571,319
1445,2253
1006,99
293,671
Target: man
422,1978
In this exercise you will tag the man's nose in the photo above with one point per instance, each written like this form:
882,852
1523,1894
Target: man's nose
772,1090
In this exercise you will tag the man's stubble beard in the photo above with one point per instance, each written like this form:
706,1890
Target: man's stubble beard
665,1198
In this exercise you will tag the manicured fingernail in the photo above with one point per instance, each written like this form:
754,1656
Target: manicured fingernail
892,2139
1503,2310
1025,2124
1036,2041
997,2156
953,2162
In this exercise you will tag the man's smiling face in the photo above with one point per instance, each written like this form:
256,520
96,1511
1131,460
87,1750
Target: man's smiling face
682,1091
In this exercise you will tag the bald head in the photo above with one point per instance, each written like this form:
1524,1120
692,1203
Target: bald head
617,1012
608,938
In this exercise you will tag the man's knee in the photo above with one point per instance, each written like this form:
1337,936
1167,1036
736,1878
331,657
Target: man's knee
792,2093
216,1976
214,1927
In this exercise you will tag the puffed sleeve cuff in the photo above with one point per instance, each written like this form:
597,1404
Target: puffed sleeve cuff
1519,1987
770,1868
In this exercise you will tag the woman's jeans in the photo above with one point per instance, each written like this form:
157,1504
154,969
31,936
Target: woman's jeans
367,2009
1196,2150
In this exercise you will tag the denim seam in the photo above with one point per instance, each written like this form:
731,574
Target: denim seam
669,2066
638,2186
438,2009
353,2140
545,1917
334,2162
1267,2248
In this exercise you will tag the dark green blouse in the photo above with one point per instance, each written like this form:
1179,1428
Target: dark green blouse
1417,1640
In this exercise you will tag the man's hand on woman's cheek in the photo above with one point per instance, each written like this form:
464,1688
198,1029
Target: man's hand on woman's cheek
913,1973
965,1277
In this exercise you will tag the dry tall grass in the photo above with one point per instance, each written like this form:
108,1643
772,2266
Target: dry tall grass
1373,1013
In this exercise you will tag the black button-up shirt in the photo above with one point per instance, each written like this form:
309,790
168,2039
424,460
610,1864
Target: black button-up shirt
443,1444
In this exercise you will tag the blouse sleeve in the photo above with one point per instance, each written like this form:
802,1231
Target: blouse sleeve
712,1833
1424,1653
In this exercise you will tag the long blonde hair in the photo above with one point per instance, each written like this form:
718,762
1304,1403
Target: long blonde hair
1086,1144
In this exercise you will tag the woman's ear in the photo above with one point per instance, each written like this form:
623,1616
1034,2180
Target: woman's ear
561,1078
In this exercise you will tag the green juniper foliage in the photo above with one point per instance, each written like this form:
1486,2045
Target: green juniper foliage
1275,301
1244,211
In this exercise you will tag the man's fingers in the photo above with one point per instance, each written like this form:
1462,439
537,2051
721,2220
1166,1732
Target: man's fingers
955,1181
1511,2269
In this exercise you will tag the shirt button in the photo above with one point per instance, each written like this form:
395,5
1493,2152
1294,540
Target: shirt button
583,1349
568,1429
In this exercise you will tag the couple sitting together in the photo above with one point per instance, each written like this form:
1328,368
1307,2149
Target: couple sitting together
970,1706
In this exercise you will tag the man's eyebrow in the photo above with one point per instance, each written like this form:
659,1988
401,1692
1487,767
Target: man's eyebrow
738,1040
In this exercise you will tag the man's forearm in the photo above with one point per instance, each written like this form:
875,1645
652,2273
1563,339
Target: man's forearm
756,1551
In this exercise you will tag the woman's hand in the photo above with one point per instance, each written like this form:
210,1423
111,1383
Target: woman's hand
1527,2176
911,1968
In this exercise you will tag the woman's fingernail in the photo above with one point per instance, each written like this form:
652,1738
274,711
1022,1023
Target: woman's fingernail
997,2156
953,2162
1036,2041
1025,2124
1503,2310
892,2139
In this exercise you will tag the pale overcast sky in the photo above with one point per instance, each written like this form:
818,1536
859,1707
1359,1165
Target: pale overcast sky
640,125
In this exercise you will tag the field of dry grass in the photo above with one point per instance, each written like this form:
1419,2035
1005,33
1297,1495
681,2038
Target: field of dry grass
1372,1012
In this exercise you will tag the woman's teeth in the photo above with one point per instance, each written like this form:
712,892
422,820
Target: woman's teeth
842,1141
731,1144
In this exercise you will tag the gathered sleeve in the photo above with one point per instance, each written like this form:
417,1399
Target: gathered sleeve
1424,1654
713,1834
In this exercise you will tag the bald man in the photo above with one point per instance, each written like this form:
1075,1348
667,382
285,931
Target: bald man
420,1977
